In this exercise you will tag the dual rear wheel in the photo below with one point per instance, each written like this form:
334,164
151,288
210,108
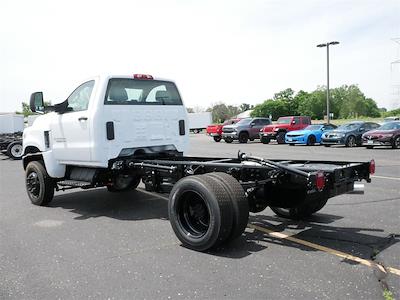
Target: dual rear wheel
208,210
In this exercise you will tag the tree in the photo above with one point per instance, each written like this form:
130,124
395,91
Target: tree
245,106
220,112
190,110
26,110
274,108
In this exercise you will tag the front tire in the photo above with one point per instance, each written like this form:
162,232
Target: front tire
228,140
200,212
39,185
351,141
265,140
217,138
396,142
311,140
280,138
243,137
14,150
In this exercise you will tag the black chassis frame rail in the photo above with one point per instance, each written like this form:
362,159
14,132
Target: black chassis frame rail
251,171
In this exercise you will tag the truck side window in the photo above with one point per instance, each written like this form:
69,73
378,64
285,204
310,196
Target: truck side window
79,99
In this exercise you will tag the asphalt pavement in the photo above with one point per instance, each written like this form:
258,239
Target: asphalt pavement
95,244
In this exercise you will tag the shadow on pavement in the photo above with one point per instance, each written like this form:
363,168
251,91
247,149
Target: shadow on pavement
319,229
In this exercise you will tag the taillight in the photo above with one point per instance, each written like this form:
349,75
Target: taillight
320,180
372,167
143,77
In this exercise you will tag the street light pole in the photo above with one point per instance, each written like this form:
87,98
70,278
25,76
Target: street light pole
327,76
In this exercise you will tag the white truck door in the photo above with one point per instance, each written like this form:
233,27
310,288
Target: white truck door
71,130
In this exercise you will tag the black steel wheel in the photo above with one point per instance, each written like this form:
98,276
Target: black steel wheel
217,138
240,204
265,140
280,138
200,212
39,185
243,137
396,142
14,150
311,140
351,141
123,183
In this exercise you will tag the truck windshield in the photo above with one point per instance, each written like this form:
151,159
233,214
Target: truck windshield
125,91
284,120
245,121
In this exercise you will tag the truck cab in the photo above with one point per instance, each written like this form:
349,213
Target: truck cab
104,118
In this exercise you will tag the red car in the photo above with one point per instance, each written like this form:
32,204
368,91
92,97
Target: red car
386,135
215,130
278,130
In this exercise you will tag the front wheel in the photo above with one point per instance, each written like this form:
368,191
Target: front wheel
265,140
396,142
280,138
351,141
311,140
326,145
217,138
370,147
228,140
14,150
243,137
39,185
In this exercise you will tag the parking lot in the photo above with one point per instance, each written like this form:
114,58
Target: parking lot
96,244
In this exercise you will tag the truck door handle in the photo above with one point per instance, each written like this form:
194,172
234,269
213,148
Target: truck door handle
82,119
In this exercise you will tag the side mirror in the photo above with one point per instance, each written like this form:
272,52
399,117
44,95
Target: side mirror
36,103
252,124
293,122
361,129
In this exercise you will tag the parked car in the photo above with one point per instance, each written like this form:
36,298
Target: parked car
391,119
388,134
215,130
283,125
309,135
244,130
348,134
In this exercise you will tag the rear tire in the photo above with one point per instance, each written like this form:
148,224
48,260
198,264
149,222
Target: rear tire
217,138
326,145
14,150
301,211
370,147
243,137
280,138
39,185
240,204
200,212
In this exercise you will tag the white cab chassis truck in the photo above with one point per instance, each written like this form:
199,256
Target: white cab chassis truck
116,131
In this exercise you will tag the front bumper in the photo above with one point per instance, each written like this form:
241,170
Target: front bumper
232,135
295,140
333,141
377,142
271,135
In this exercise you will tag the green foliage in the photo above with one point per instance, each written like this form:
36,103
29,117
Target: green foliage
221,112
245,106
392,113
346,101
26,110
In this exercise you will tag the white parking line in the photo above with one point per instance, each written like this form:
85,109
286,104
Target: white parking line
385,177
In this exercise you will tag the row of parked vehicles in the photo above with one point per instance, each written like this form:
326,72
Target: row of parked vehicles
295,130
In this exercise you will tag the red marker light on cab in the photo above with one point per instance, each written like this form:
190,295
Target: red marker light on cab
142,77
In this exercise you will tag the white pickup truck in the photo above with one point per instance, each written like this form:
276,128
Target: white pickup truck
116,131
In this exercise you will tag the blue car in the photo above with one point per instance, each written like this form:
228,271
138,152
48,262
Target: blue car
309,135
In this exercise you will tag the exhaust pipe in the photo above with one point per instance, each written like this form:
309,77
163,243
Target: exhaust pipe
358,188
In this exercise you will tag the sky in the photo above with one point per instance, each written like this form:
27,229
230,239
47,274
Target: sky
216,51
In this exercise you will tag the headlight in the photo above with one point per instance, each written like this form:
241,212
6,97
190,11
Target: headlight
261,130
276,129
